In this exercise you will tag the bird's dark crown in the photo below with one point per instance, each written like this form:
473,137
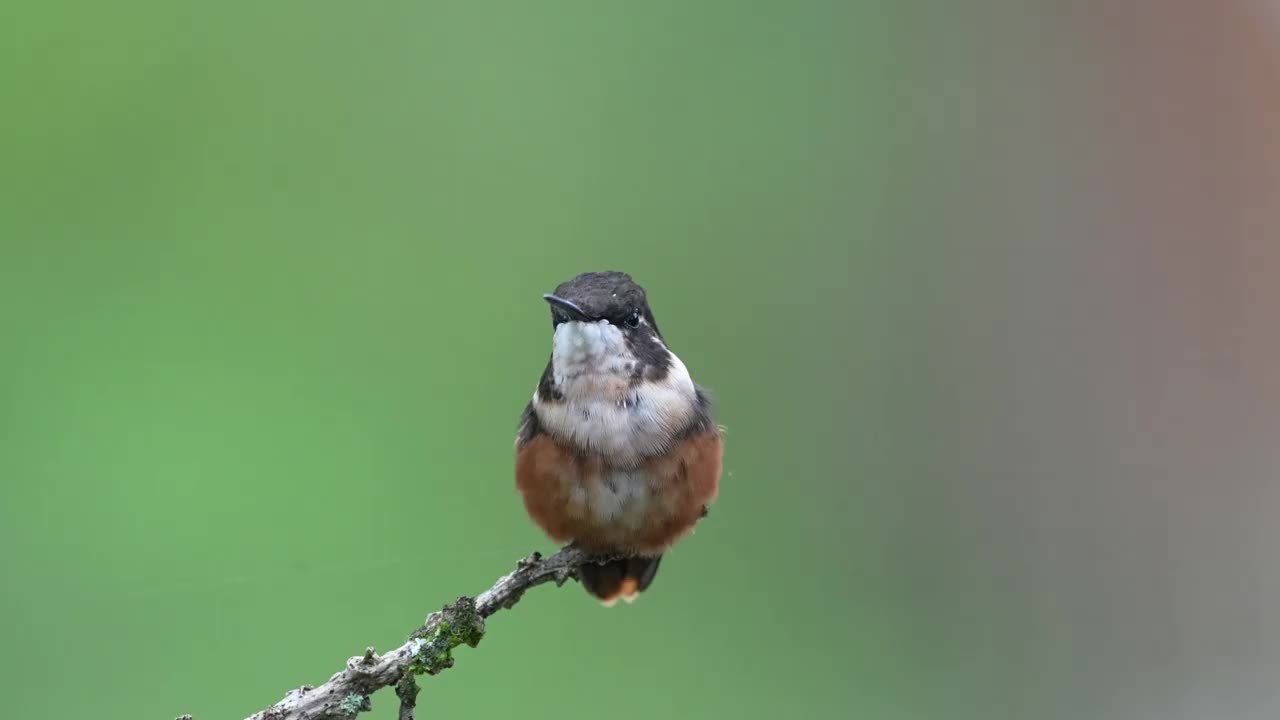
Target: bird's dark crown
609,295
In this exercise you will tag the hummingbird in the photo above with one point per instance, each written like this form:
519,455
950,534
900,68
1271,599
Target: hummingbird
617,452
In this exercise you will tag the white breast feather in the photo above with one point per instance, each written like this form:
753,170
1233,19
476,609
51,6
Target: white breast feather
601,412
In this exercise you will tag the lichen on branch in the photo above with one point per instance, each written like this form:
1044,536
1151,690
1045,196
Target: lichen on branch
428,650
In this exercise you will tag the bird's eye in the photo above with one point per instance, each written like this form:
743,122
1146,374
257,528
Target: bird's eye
633,319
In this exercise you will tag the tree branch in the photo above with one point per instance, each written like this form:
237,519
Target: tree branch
429,649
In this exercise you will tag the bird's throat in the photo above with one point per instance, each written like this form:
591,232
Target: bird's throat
603,403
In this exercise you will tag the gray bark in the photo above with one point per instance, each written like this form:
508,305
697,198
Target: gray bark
428,650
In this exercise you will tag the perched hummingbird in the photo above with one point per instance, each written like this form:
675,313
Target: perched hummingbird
617,452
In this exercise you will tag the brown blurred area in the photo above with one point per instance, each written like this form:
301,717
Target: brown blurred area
1103,353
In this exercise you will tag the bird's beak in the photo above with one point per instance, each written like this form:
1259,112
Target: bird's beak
572,311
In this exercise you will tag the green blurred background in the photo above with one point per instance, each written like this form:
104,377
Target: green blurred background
980,290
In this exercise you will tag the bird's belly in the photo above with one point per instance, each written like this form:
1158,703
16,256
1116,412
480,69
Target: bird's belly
617,499
614,510
605,508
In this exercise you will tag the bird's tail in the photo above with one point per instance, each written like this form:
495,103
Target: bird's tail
624,578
